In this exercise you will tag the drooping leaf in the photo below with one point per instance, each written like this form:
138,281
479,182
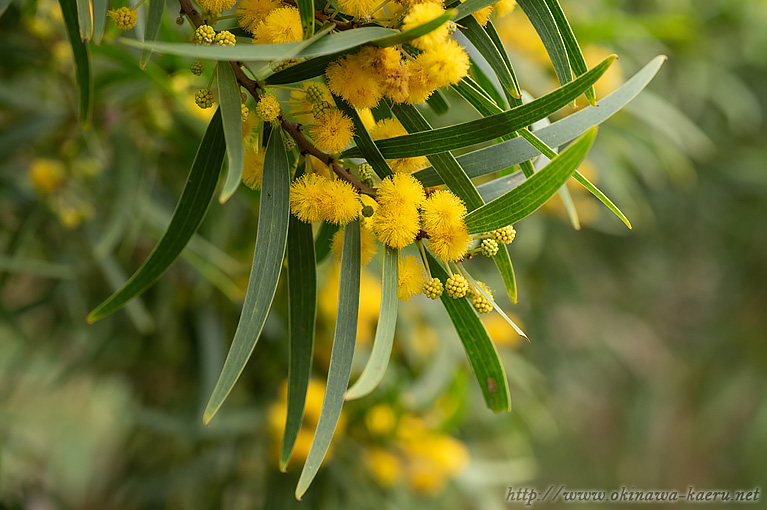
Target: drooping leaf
341,356
485,86
271,241
534,192
363,140
480,350
231,116
306,10
99,19
449,170
438,103
502,260
153,22
302,310
492,33
85,19
481,130
82,59
323,240
504,155
496,308
387,320
189,213
540,16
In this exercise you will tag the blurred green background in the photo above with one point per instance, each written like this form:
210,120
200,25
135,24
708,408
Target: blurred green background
648,360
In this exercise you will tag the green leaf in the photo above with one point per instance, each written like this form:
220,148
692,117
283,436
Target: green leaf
469,7
99,19
189,213
543,21
497,308
340,357
153,22
231,117
533,193
480,350
262,52
485,86
492,33
306,9
364,141
481,130
574,54
82,59
302,310
271,240
387,321
506,154
448,168
84,19
481,40
503,262
438,103
323,240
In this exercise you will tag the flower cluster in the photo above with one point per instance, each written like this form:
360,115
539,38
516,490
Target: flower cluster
314,198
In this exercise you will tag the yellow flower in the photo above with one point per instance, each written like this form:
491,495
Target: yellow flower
420,85
450,244
308,196
388,128
445,64
400,189
483,15
393,73
251,12
252,168
268,108
396,221
342,204
504,7
385,466
124,17
332,131
354,79
215,6
423,13
46,174
433,460
368,245
281,25
358,8
380,420
411,277
442,215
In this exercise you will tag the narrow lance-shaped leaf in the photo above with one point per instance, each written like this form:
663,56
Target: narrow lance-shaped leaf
323,240
153,22
231,116
341,356
481,130
99,19
574,54
502,260
363,140
302,308
492,33
189,213
85,20
497,309
306,10
543,21
480,350
271,240
512,152
82,59
533,193
387,321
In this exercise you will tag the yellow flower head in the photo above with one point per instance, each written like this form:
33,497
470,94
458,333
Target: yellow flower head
442,211
420,85
401,189
332,131
411,277
281,25
483,15
268,108
385,466
423,13
354,79
308,195
358,8
252,168
388,128
216,6
251,12
450,244
504,7
368,245
342,204
395,225
445,64
46,174
124,17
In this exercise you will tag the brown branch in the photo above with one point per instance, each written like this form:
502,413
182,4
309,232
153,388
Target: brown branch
292,128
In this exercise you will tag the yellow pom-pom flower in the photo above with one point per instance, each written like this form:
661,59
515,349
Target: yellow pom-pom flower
420,85
268,108
216,6
504,7
442,215
445,64
423,13
281,25
368,245
354,79
388,128
251,12
411,277
480,302
308,196
332,131
401,189
252,168
358,8
342,203
450,244
124,18
396,221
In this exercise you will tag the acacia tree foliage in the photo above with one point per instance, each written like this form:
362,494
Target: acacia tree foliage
521,167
